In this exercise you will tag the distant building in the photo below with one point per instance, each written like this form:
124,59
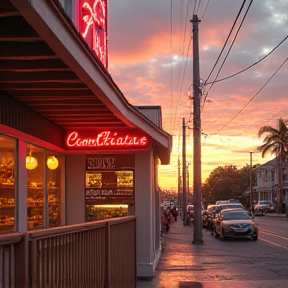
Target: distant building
268,181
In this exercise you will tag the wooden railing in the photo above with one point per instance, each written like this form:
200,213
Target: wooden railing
7,258
95,254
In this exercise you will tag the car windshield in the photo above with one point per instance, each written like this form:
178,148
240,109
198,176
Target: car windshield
265,202
225,206
239,215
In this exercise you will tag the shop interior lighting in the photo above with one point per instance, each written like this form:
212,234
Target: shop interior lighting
52,162
31,162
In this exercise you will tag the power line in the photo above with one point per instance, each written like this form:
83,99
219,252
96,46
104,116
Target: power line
254,95
178,79
178,99
225,78
205,10
222,50
183,76
228,50
196,10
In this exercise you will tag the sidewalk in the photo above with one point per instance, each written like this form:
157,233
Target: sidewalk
179,265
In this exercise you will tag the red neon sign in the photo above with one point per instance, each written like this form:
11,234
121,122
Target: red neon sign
106,139
93,26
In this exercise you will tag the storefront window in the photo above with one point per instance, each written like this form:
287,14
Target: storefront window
109,194
43,188
97,212
7,187
35,186
54,189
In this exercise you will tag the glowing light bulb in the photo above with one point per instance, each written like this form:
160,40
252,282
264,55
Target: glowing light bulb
31,162
52,162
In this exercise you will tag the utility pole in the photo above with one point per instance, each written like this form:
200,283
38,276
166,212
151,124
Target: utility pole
251,193
184,173
179,180
197,181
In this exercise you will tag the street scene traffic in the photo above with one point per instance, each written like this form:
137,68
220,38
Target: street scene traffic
143,144
222,262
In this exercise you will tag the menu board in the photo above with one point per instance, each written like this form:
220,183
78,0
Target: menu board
109,187
112,195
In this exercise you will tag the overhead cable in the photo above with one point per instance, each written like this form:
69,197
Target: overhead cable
225,78
228,51
222,50
254,95
182,82
205,10
178,79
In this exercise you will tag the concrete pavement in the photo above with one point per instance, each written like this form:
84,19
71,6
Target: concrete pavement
179,267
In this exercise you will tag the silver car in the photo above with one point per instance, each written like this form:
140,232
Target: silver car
264,206
235,223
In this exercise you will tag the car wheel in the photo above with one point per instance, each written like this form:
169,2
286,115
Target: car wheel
255,238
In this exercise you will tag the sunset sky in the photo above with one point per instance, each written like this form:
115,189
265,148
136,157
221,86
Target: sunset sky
150,59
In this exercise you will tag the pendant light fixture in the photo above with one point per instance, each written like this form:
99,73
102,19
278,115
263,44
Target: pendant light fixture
31,162
52,162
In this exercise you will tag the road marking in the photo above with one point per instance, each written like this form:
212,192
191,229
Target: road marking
274,243
273,234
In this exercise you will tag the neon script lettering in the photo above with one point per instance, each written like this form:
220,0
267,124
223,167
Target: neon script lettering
105,139
93,21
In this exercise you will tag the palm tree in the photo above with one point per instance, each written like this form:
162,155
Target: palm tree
276,142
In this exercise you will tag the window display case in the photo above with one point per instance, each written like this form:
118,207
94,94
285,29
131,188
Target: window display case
109,187
112,188
7,187
43,199
98,212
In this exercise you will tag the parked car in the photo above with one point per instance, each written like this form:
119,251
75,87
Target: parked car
235,223
228,205
222,202
222,206
190,210
208,216
227,201
263,207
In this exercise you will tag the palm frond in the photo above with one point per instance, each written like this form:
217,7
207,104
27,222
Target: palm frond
276,141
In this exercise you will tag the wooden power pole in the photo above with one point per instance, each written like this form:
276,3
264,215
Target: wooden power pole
197,182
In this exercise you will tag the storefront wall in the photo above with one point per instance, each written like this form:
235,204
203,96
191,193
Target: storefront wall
28,126
72,205
146,203
147,258
75,189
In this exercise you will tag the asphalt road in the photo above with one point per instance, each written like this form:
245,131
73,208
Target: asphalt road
224,263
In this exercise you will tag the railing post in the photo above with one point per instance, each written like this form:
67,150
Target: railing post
108,257
21,250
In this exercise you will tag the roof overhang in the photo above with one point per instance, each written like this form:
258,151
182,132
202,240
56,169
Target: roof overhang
45,64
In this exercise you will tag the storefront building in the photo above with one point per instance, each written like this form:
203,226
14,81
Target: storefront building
72,149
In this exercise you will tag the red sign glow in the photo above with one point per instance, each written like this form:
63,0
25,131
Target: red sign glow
92,17
106,139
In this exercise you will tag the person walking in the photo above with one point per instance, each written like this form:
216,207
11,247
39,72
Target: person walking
174,213
167,219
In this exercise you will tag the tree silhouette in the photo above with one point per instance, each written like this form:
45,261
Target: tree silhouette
276,142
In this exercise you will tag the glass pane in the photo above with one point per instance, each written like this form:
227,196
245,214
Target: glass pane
54,188
7,187
98,212
35,187
93,180
124,178
109,194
